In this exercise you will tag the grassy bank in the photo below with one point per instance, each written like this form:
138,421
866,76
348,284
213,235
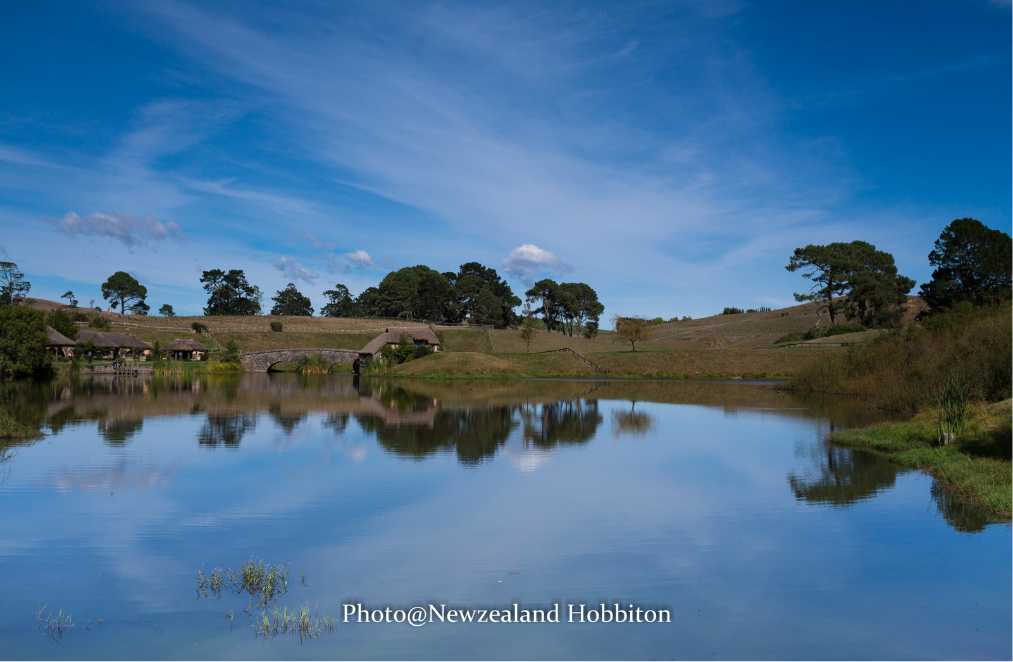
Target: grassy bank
976,465
193,367
675,364
904,370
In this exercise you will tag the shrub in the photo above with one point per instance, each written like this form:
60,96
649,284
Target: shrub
791,336
839,329
276,327
400,353
906,369
731,311
421,351
655,321
198,327
230,351
98,323
23,340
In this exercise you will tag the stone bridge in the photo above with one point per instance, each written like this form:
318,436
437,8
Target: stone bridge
261,361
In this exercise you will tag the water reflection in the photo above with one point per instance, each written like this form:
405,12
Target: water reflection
841,476
474,434
226,430
418,419
117,432
562,422
633,423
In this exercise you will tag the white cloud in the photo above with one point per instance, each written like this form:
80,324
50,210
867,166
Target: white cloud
118,225
527,260
294,270
358,260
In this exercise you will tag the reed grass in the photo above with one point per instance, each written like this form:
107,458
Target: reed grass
274,623
13,429
262,582
54,626
312,364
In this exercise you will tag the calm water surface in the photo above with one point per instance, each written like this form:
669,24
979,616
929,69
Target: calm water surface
719,502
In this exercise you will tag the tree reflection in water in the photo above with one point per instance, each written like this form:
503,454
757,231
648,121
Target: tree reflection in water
634,423
561,422
117,432
840,477
286,421
474,433
226,429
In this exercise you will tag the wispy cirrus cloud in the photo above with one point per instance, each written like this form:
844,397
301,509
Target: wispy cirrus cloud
318,243
295,271
132,231
526,261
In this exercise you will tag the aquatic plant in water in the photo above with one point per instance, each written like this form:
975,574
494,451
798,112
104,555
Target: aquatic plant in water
264,583
54,626
274,623
261,581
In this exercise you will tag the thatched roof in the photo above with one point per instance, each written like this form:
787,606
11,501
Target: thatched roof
104,340
392,335
130,341
184,345
57,339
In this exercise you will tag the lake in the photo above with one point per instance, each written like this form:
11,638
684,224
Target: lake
716,507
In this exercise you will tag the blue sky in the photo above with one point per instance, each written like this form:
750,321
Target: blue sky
671,155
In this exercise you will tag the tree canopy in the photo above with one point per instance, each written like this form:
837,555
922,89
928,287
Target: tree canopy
166,311
291,302
13,286
566,306
122,288
62,322
230,294
875,290
631,330
339,303
23,341
867,276
973,263
420,293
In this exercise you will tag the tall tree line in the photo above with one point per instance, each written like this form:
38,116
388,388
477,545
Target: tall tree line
567,307
473,292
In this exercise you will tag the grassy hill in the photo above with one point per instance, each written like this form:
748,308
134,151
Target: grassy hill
740,345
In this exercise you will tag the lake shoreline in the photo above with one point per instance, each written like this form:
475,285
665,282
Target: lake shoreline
975,466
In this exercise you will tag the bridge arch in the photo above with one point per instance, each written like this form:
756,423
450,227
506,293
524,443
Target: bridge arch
261,361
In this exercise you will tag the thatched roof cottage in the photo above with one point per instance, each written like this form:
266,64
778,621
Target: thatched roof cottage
392,335
113,341
185,349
